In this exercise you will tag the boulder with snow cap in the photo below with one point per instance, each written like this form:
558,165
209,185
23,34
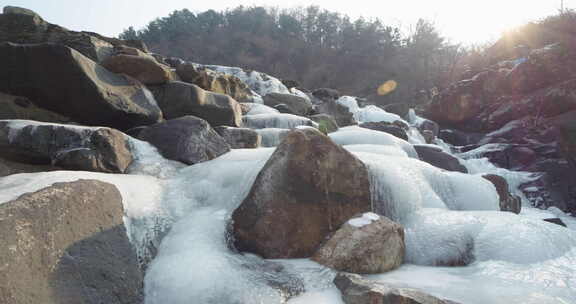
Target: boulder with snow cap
308,188
365,244
214,81
340,112
67,146
177,99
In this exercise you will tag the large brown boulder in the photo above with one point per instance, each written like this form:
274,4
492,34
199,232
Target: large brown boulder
16,107
58,78
508,201
186,139
456,104
67,243
296,104
9,167
179,99
214,81
143,68
357,290
308,188
366,244
20,25
66,146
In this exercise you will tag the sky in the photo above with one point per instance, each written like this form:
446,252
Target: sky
461,21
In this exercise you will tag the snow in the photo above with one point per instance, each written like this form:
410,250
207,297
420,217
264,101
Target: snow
354,135
366,219
377,149
274,120
368,113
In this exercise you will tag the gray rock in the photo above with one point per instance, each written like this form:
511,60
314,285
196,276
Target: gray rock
66,146
366,244
186,139
67,244
296,104
308,188
177,99
240,138
387,127
83,91
438,158
508,202
340,113
356,290
16,107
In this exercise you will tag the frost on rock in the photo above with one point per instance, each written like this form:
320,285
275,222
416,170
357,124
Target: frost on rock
366,219
280,121
368,113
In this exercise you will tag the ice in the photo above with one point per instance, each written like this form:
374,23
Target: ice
299,93
256,109
365,219
281,121
259,82
368,113
326,296
377,149
354,135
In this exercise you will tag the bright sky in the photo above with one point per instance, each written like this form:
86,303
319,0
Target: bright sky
467,21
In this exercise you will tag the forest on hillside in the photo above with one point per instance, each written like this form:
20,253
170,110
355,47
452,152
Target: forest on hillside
319,48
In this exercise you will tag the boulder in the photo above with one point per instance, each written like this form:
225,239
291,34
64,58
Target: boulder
308,188
177,99
457,104
143,68
387,127
17,107
543,67
240,138
366,244
9,167
186,139
21,25
401,109
340,112
289,83
326,123
326,94
214,81
438,158
58,78
508,201
67,146
296,104
357,290
459,138
283,108
67,243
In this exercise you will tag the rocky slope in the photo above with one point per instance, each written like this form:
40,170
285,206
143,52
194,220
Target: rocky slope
223,185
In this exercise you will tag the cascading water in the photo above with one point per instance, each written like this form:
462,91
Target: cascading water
450,218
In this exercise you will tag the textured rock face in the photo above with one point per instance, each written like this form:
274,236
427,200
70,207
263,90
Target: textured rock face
179,99
21,25
187,139
67,244
57,78
143,68
438,158
213,81
296,104
16,107
508,202
308,188
341,114
356,290
326,94
366,244
459,103
240,138
66,146
387,127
